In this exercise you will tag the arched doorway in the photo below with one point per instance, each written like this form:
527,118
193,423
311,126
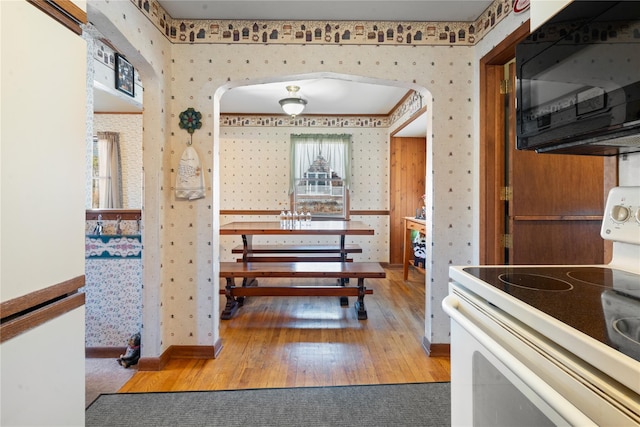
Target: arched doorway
221,211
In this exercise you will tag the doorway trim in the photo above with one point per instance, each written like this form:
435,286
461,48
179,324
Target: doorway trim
491,147
421,115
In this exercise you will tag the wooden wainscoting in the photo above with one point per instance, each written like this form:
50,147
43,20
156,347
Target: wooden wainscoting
407,185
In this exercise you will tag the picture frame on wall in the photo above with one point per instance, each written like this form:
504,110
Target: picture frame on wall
124,75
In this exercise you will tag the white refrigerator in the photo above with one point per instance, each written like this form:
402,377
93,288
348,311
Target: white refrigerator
42,209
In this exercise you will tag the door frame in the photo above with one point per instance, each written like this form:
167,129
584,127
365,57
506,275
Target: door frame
492,169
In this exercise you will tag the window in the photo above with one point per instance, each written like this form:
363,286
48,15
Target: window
107,175
320,174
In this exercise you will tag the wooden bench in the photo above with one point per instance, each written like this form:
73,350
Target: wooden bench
268,252
250,272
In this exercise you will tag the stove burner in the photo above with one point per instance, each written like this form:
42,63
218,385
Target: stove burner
592,276
621,281
628,327
535,282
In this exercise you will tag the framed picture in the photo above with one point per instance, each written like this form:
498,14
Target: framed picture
124,75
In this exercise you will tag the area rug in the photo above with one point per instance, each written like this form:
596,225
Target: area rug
416,404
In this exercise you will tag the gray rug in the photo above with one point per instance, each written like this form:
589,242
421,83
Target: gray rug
422,404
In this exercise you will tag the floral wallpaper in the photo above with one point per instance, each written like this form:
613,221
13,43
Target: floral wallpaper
113,290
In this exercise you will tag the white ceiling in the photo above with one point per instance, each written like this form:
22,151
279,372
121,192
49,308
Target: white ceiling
108,101
323,95
326,96
322,10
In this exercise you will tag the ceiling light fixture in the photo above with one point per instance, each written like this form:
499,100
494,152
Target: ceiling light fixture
293,105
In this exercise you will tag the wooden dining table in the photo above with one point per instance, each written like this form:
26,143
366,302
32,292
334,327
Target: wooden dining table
249,229
275,253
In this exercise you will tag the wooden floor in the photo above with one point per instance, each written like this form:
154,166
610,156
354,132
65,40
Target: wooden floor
312,341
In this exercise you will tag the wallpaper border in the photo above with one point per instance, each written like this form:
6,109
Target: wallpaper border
324,32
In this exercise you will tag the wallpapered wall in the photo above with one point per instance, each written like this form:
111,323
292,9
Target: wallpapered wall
180,307
254,174
113,287
198,71
130,128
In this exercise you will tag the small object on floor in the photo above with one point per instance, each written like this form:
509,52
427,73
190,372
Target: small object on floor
132,355
419,251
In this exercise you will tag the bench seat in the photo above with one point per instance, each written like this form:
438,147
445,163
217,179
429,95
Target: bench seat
274,253
298,249
337,270
250,271
296,291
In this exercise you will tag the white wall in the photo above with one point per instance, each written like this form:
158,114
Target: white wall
42,210
629,170
542,10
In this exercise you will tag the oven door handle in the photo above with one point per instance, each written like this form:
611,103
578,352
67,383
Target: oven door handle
554,399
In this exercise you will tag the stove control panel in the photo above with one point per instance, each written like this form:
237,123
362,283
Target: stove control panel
621,221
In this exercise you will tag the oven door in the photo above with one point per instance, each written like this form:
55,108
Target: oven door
490,384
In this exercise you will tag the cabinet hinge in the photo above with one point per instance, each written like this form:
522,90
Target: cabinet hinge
506,241
505,87
506,193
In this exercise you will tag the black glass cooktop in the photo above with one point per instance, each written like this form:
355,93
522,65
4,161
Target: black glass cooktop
601,302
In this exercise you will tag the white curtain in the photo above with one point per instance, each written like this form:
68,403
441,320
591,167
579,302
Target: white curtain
109,170
307,148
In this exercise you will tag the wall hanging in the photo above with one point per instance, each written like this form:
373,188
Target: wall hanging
124,75
189,178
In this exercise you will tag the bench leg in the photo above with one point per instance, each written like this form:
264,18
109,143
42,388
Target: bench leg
344,301
232,304
359,305
250,281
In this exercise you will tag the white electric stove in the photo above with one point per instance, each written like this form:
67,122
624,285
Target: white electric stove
551,345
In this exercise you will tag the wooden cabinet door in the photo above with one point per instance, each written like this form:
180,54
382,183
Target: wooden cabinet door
556,204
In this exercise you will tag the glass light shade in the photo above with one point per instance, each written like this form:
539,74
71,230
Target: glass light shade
293,106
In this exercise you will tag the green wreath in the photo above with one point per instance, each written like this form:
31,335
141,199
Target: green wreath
190,120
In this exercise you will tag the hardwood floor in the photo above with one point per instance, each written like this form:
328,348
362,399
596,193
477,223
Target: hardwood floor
312,341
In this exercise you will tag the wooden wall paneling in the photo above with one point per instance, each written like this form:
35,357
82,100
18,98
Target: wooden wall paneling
395,199
554,242
578,173
407,184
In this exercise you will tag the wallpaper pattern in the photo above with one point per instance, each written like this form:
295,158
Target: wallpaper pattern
254,174
254,161
409,106
113,290
130,128
322,32
180,306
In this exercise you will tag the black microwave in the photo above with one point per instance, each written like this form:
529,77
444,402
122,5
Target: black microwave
578,81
